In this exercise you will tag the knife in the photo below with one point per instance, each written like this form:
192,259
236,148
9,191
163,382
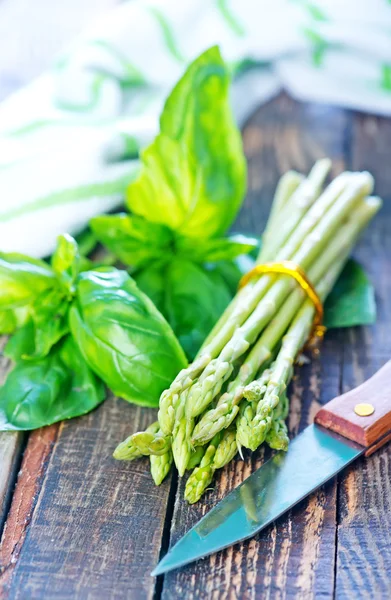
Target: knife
354,424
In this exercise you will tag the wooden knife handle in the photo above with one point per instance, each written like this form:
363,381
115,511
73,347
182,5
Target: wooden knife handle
369,431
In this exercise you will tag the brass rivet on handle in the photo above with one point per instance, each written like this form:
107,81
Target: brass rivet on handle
363,409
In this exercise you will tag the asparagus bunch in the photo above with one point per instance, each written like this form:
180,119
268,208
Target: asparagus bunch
234,394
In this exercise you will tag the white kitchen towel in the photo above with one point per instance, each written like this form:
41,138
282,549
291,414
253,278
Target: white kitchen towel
69,141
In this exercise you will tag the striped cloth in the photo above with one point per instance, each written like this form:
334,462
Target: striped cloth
69,141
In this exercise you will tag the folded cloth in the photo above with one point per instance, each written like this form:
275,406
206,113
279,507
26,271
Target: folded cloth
69,142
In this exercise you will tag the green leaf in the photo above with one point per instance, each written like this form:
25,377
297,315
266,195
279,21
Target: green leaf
51,324
21,344
47,325
22,279
7,322
10,320
212,250
59,386
134,240
153,282
123,337
191,298
66,260
86,242
194,173
352,301
231,273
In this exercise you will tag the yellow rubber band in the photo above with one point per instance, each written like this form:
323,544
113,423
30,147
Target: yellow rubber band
288,267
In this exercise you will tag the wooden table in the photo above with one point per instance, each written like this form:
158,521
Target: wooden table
78,524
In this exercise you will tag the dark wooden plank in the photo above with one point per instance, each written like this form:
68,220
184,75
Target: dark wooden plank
24,499
287,135
371,139
10,449
364,528
96,529
296,557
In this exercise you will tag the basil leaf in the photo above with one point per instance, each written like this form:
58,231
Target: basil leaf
134,240
211,250
153,282
192,298
86,242
193,174
10,320
231,273
22,279
123,337
51,324
59,386
7,322
352,301
66,260
47,325
21,344
85,391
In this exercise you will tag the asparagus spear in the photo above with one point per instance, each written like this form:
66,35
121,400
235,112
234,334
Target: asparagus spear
160,466
151,442
127,450
181,435
170,397
277,436
219,453
299,203
196,457
201,477
286,188
226,450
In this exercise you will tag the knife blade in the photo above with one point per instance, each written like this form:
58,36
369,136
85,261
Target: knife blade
323,449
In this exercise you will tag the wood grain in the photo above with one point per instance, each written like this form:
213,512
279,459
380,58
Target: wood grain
10,446
364,520
97,525
295,557
24,499
339,414
10,449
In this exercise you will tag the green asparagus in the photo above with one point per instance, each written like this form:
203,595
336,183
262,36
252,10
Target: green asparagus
227,406
234,394
127,450
160,466
201,477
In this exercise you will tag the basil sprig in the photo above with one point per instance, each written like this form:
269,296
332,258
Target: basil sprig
74,330
191,186
123,337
